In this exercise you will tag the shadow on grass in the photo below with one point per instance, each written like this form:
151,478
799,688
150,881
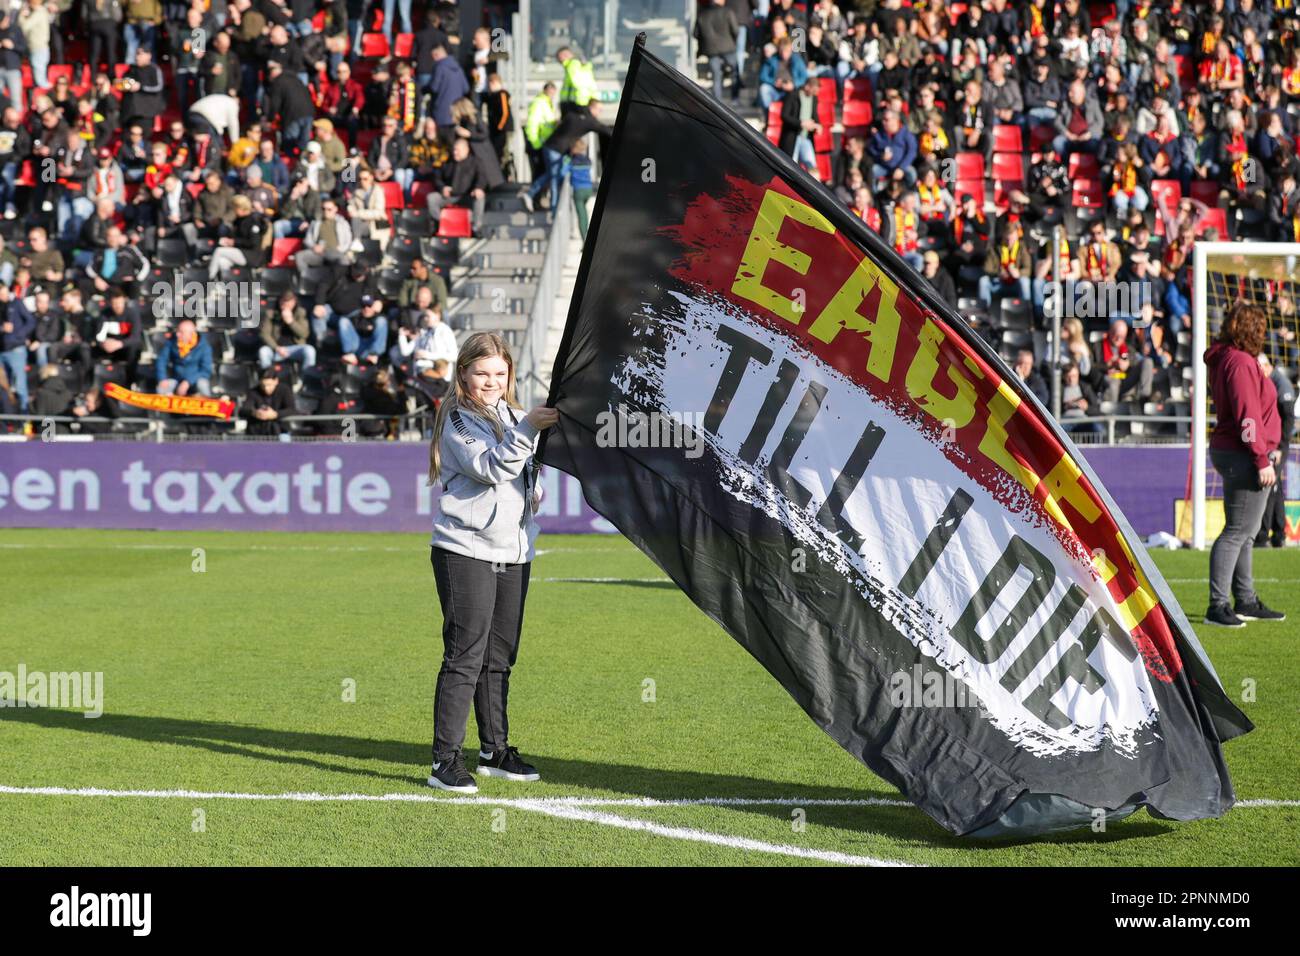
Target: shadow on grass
309,750
618,582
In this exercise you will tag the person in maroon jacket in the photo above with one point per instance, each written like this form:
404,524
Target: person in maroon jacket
1243,448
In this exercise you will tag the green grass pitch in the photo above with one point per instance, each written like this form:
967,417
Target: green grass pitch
232,681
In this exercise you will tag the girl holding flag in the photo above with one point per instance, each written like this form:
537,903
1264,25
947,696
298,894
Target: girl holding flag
482,549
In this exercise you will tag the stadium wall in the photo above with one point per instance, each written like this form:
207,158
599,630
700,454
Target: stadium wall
365,486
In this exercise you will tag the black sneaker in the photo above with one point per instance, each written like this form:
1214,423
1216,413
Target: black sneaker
1221,615
451,775
506,764
1258,611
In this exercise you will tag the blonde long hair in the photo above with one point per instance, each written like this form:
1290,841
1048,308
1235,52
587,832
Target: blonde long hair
480,345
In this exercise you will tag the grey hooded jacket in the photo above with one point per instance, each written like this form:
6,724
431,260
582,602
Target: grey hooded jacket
485,510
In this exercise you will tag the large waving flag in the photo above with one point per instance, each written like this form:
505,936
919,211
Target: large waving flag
783,415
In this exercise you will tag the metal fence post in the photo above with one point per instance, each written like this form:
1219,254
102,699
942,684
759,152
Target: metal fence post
1056,322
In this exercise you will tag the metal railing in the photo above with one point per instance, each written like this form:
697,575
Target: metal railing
532,355
1108,422
414,426
411,426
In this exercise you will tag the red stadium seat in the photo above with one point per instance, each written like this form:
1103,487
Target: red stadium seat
454,222
822,142
120,69
970,165
194,189
857,117
1006,139
824,167
26,175
1213,218
364,138
1083,166
56,70
393,195
403,44
419,194
973,186
1206,191
774,123
282,251
1006,166
1166,193
318,21
858,90
826,112
1101,13
1088,194
1002,189
374,45
1039,136
826,91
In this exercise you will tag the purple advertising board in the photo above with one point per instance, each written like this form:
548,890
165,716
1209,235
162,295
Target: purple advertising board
362,486
242,486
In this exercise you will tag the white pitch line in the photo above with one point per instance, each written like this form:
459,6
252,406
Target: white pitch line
571,808
569,801
575,801
571,812
219,546
564,808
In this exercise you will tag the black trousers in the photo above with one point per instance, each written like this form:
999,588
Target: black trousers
1273,525
103,47
482,616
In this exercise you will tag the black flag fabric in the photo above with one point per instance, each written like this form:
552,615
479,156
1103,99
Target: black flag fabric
783,415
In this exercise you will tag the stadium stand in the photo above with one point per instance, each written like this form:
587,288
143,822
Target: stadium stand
1162,125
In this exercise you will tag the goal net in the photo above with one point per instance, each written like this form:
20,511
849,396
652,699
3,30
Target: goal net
1266,274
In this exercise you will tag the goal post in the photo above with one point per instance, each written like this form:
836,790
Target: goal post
1266,274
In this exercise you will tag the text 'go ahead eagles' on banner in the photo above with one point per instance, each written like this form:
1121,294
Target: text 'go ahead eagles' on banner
787,420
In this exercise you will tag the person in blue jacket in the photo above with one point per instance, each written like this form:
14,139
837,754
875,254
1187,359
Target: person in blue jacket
892,149
782,72
184,364
447,84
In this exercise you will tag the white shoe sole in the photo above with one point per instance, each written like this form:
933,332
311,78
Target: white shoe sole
502,774
1266,620
439,785
1233,627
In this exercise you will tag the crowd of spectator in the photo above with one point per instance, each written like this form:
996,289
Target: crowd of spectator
1002,147
334,150
329,153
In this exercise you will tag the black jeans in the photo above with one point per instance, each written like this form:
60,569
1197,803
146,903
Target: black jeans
1231,569
482,615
